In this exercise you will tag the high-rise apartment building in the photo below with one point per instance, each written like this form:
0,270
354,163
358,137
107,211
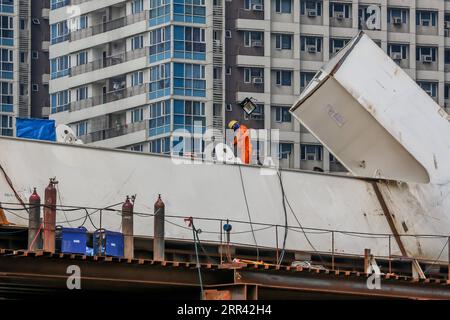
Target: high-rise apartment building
24,89
128,74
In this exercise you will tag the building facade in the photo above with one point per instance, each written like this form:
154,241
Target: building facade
138,74
23,63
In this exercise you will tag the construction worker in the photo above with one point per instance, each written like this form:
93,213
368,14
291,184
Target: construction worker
242,141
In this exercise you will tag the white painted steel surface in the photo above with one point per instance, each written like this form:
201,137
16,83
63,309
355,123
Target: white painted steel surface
375,118
96,177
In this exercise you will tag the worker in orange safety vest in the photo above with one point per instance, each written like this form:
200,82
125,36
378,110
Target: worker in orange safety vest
242,141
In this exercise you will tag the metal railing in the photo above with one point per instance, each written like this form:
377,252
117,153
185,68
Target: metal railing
109,61
118,131
108,26
109,97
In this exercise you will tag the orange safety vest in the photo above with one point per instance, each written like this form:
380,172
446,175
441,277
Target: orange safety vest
244,145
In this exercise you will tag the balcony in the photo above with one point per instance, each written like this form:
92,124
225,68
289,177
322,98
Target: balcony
109,97
109,61
118,131
108,26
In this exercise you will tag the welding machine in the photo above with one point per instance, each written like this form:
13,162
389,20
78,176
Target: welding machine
108,243
71,240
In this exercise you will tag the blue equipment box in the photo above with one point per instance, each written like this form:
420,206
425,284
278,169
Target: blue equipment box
108,243
71,240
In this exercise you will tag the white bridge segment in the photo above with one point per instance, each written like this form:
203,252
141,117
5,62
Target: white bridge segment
94,177
377,121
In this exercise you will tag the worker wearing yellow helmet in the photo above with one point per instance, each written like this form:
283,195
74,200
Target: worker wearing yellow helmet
242,140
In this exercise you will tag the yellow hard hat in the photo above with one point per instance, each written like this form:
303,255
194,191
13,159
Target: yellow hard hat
231,124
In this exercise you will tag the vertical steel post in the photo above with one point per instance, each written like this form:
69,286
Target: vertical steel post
127,229
332,250
158,235
34,221
448,247
390,254
366,260
50,216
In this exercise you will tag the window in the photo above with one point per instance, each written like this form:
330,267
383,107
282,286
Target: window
311,152
340,10
283,6
228,34
59,32
283,78
35,55
6,64
81,128
249,4
6,125
159,12
285,150
310,44
160,146
426,54
305,79
398,51
189,80
159,85
55,4
337,44
189,115
159,122
23,57
60,67
35,87
137,115
82,58
283,41
190,11
311,8
23,24
228,71
397,16
137,42
159,44
6,97
282,114
426,18
447,56
253,38
6,30
137,6
429,87
189,43
255,75
82,93
137,148
137,78
60,101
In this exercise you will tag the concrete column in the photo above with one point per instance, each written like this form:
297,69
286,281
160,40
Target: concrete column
158,235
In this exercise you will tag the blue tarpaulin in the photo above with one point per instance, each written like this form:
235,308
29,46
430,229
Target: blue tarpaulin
37,129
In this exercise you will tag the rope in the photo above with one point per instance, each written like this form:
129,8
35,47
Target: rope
195,235
283,195
8,180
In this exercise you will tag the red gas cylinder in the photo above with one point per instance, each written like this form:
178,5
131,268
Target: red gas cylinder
34,198
127,205
34,221
50,216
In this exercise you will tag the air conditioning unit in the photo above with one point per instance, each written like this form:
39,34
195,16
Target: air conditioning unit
447,24
258,7
258,80
312,13
312,49
427,59
339,15
397,20
396,56
257,43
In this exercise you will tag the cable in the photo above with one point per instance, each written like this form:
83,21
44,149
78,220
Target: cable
301,226
437,259
194,233
60,202
248,212
283,196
